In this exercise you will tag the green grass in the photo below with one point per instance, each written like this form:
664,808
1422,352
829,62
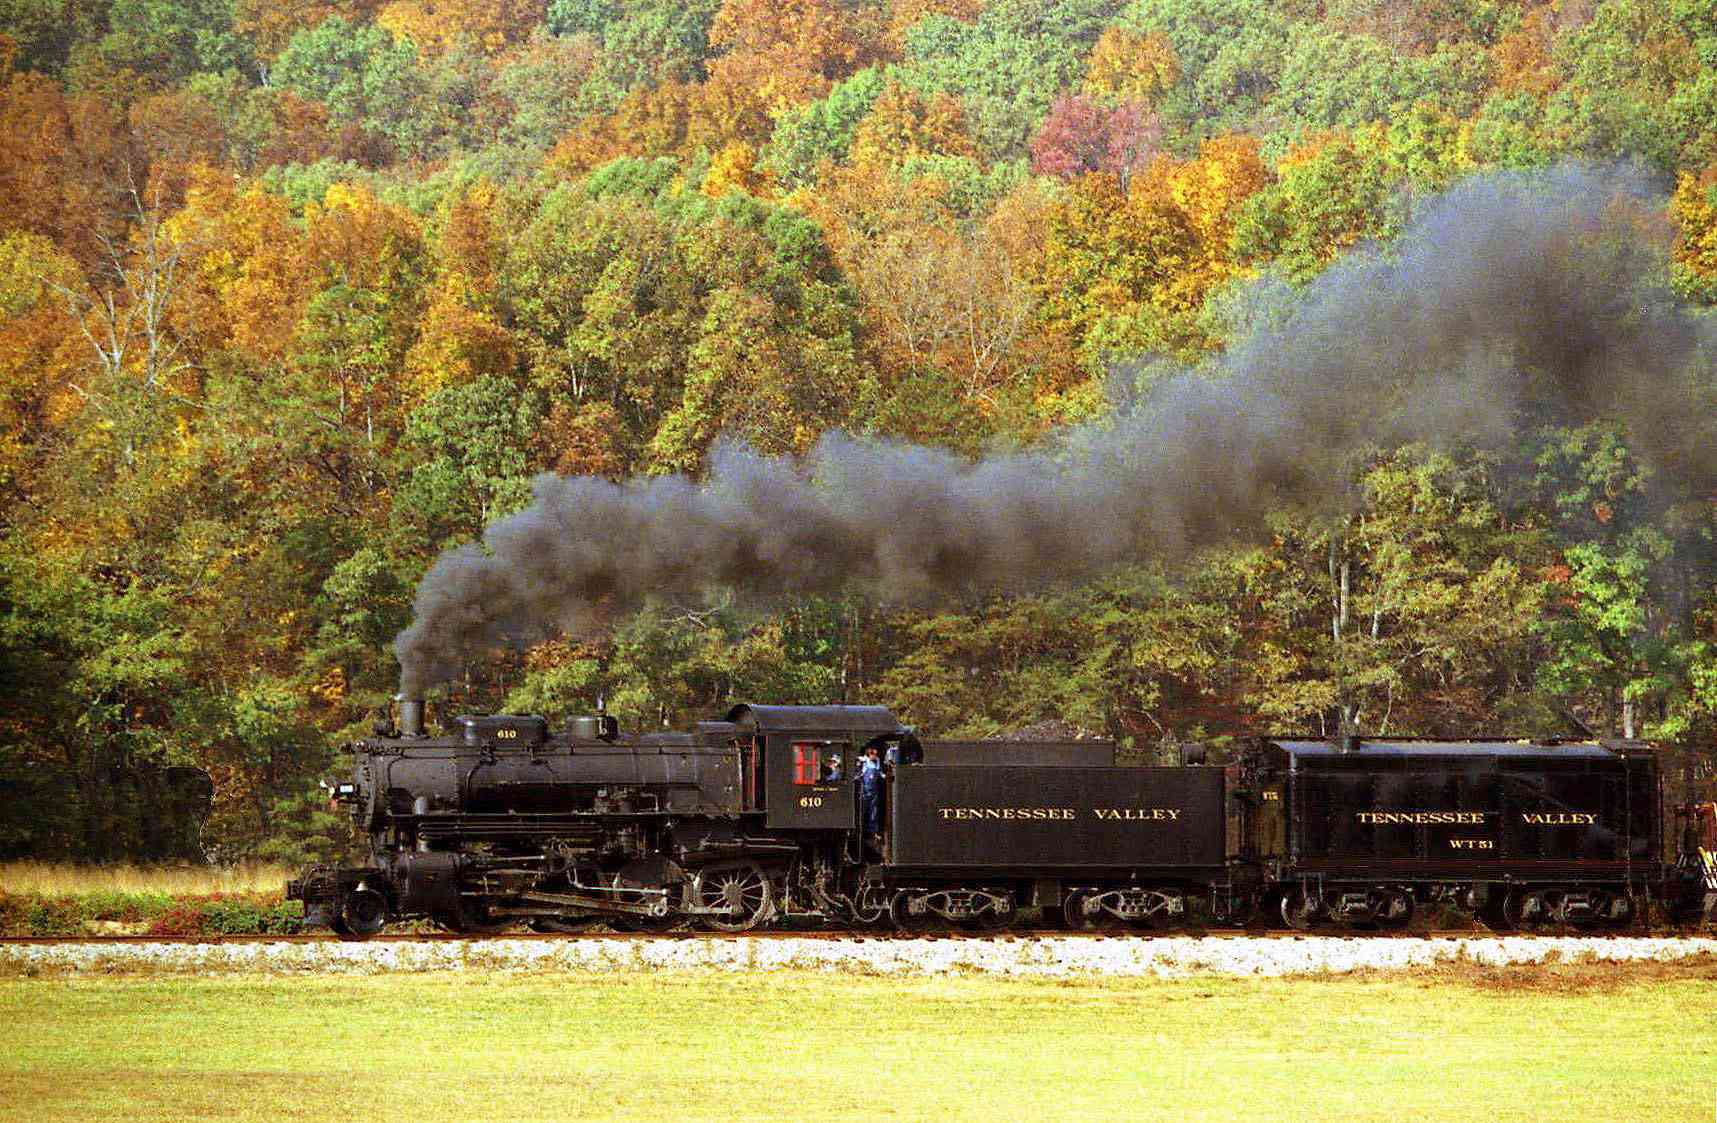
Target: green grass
1566,1044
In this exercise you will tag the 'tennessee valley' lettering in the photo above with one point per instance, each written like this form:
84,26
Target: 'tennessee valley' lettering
1420,818
1136,812
1006,812
1433,818
1108,814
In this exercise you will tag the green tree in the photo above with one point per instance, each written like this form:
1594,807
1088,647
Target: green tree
807,135
1332,197
170,40
1008,67
1633,87
92,672
468,446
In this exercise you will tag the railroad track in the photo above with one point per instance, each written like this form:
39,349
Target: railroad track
765,934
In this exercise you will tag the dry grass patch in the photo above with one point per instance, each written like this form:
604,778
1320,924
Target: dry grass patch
1568,977
55,879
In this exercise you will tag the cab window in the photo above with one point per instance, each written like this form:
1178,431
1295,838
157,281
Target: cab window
807,762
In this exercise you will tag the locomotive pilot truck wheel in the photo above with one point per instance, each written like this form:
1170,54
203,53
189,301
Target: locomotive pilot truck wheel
362,913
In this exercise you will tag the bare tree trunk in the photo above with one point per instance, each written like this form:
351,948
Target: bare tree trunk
1340,573
1339,576
125,316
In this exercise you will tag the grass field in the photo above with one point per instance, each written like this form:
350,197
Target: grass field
1571,1043
57,878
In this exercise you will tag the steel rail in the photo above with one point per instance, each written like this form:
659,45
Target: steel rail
858,936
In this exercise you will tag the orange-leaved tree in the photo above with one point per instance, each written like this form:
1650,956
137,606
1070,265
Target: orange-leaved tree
791,51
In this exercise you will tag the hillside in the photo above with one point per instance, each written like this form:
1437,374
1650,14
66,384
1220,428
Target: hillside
294,296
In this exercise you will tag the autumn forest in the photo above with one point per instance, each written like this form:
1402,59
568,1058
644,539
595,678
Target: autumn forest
295,295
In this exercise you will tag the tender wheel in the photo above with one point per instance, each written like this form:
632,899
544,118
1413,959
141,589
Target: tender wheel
1073,912
1298,912
1397,912
1494,916
1159,917
1611,910
998,919
1236,912
1522,909
744,889
1622,913
905,920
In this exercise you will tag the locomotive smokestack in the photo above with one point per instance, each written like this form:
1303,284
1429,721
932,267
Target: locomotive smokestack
410,716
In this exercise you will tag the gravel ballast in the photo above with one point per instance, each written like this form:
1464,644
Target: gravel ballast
1054,956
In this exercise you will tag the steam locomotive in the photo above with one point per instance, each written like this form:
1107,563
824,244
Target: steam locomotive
754,819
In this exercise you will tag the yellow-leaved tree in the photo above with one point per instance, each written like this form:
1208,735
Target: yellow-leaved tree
1132,66
40,354
460,338
438,26
902,125
1693,262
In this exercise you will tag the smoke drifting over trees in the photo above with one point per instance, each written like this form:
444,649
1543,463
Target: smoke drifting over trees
1511,300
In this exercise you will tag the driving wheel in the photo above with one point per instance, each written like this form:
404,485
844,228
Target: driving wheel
742,889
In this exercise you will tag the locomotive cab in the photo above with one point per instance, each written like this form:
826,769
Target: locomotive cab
807,757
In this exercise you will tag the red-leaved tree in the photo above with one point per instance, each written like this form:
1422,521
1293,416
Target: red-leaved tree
1082,134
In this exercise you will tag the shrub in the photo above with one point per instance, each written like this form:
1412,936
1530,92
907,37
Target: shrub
40,916
251,915
180,920
164,914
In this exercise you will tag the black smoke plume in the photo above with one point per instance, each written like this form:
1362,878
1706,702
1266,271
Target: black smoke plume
1510,300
